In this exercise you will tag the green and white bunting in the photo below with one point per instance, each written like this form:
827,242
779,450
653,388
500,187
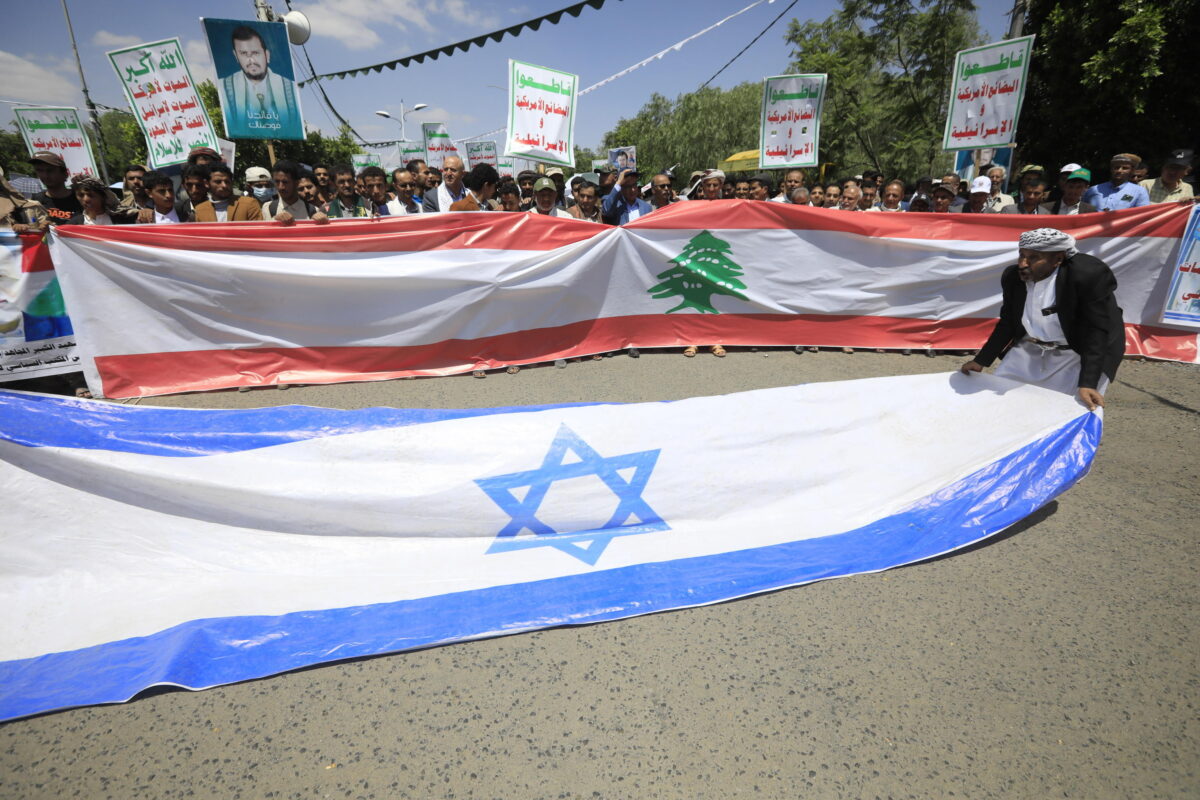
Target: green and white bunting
790,125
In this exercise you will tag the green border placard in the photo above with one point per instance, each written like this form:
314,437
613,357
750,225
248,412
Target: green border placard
762,122
569,160
154,163
87,140
1026,41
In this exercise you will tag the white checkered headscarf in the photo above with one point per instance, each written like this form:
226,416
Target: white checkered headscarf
1048,240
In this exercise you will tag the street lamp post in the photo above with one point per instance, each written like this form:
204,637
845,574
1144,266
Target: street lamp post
403,114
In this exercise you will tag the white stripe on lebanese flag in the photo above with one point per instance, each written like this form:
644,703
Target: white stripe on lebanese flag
168,309
222,546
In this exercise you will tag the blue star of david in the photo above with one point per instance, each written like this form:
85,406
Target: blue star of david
586,545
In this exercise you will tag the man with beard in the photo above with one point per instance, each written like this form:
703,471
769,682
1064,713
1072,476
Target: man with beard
259,100
223,205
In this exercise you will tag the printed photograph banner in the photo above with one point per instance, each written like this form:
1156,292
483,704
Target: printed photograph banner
58,130
255,79
438,144
541,114
36,336
162,93
986,95
1182,306
482,152
790,126
623,157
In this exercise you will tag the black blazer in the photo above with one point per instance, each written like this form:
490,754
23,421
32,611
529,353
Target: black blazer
1087,310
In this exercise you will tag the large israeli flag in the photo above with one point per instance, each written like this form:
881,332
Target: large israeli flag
194,548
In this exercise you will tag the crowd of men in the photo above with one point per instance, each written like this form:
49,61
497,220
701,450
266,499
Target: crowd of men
207,191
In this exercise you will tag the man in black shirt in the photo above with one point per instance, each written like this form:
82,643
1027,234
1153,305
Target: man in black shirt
59,201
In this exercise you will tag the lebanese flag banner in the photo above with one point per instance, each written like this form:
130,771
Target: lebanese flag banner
151,546
162,309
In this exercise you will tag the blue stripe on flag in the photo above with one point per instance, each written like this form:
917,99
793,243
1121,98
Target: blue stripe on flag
37,420
211,652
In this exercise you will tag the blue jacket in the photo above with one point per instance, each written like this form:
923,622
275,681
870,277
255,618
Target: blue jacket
617,212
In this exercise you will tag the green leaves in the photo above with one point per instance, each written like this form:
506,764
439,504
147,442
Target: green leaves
889,63
696,130
1109,76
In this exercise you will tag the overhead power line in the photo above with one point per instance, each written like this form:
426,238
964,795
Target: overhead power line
747,47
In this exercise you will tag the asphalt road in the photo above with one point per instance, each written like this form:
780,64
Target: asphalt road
1059,659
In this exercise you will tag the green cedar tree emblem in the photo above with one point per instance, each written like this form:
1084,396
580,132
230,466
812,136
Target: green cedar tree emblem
700,271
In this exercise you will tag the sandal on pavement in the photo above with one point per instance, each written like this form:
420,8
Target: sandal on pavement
718,351
690,351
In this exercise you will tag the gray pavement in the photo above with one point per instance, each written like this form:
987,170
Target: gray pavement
1060,659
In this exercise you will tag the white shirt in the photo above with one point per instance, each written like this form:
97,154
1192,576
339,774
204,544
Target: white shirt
103,219
1040,295
221,207
396,208
1067,210
298,209
170,216
559,212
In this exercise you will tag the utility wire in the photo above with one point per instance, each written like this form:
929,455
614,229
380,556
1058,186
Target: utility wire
747,47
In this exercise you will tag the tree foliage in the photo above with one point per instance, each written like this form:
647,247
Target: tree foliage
1109,76
696,130
889,64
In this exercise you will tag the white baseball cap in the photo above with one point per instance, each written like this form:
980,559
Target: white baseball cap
257,174
1070,167
981,184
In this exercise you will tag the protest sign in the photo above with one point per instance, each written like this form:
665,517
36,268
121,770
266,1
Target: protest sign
986,95
482,152
504,165
228,151
438,144
623,157
59,131
360,160
36,336
255,79
559,288
969,164
599,163
1182,306
541,114
162,94
790,124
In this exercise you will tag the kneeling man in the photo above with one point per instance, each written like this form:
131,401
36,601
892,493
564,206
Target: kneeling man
1059,321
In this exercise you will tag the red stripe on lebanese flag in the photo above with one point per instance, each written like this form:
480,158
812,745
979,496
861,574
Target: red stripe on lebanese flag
35,253
1161,220
534,232
414,233
205,370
